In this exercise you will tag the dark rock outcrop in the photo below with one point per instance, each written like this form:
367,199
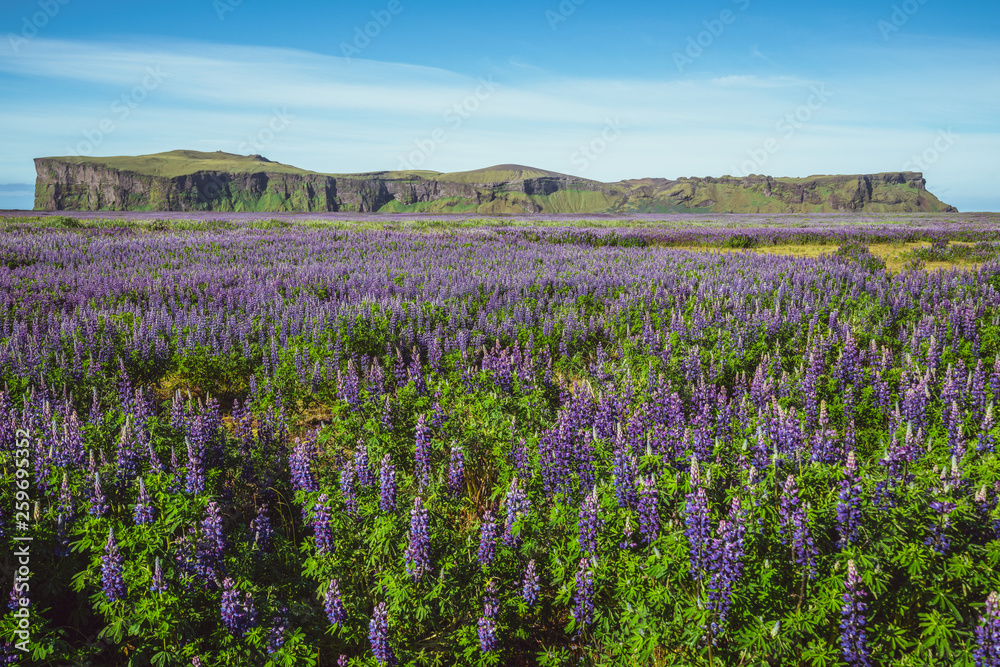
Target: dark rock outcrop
257,184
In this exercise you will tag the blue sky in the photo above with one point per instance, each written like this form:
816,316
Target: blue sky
587,87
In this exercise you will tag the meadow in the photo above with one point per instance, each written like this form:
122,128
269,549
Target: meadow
687,441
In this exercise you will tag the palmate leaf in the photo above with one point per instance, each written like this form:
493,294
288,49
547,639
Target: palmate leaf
819,653
79,580
913,557
895,637
165,659
937,630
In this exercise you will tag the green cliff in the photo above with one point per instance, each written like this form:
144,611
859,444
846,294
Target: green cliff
197,181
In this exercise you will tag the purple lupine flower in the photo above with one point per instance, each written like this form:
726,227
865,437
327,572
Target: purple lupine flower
175,469
520,459
609,414
128,453
853,638
98,501
14,602
276,634
209,554
262,530
516,505
155,465
956,441
849,504
487,539
347,489
986,441
364,474
697,521
349,386
343,660
440,416
624,471
334,605
238,612
583,597
590,523
195,468
795,521
416,373
111,570
387,485
9,654
555,446
726,561
628,539
649,515
145,512
378,635
530,587
322,528
824,439
159,584
938,538
178,411
66,505
301,459
987,653
456,471
386,420
988,525
422,470
376,379
488,641
418,550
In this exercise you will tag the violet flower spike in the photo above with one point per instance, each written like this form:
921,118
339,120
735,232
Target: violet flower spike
378,636
111,570
333,604
853,637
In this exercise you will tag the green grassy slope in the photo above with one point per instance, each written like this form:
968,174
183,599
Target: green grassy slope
183,163
501,173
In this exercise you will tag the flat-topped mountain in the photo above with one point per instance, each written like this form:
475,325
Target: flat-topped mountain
185,180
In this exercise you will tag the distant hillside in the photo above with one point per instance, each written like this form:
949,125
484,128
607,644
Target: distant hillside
196,181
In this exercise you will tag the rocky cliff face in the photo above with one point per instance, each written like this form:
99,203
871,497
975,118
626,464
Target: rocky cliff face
885,192
75,184
67,186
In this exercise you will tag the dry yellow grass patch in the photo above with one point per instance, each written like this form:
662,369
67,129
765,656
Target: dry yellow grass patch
894,254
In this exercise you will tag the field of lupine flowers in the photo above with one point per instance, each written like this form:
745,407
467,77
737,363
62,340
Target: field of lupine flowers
282,444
